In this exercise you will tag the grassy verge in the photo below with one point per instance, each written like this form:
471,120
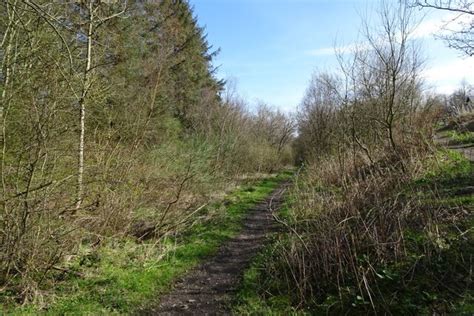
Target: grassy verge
440,282
123,275
460,138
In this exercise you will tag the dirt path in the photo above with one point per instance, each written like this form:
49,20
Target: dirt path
207,289
466,149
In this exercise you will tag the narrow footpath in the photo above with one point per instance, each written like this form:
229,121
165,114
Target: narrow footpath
208,288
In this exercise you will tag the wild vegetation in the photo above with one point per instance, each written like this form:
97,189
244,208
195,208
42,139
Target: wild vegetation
125,162
114,130
379,220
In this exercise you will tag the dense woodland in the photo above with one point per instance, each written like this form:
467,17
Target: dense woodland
115,129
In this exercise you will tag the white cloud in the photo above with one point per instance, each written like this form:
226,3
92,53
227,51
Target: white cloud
447,70
427,28
445,74
321,51
436,26
324,51
446,77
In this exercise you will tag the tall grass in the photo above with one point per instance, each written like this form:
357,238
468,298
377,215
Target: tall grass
378,239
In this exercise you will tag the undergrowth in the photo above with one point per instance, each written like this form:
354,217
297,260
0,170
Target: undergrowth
257,293
424,268
124,275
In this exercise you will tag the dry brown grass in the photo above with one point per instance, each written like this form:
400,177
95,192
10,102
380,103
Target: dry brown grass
348,225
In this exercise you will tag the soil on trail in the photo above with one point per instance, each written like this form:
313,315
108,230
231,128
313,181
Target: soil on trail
462,124
466,149
208,288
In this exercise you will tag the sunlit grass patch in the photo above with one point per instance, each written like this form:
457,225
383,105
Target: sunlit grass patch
122,274
460,137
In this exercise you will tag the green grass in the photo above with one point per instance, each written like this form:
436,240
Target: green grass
460,137
124,275
449,172
439,282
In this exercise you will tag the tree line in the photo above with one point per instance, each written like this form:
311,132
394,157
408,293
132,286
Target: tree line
112,119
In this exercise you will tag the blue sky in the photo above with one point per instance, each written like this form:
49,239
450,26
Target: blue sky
272,47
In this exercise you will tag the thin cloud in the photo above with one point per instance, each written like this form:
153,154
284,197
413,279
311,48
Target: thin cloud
321,51
433,26
446,77
350,48
427,28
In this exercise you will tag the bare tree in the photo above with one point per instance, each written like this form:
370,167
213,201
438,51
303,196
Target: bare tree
6,46
390,68
275,126
317,116
459,101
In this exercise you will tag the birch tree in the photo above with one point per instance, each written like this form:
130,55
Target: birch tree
93,20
